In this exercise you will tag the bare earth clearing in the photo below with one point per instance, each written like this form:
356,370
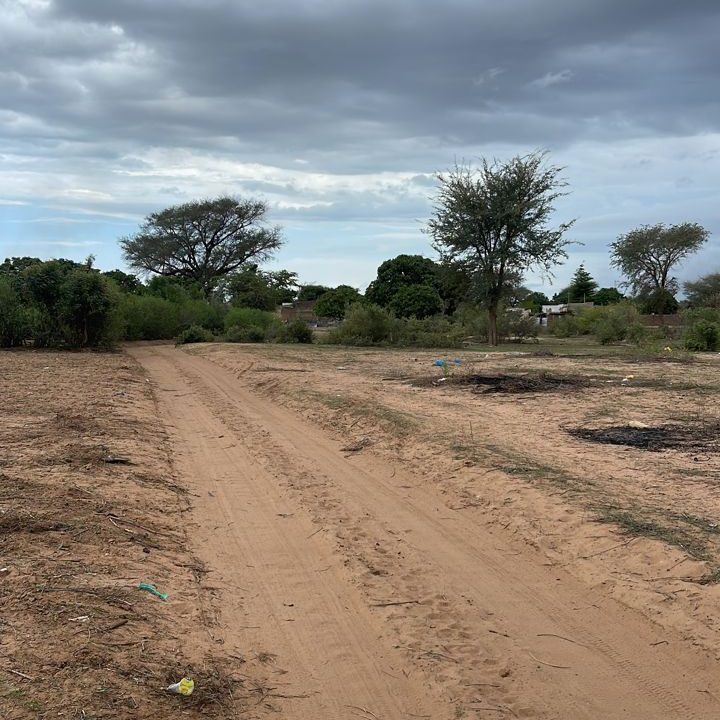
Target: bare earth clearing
374,538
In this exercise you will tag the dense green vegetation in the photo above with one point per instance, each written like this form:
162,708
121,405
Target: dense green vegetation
489,227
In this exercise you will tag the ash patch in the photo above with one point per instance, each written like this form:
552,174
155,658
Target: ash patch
509,384
691,438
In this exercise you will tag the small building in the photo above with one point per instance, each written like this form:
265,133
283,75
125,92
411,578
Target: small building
299,310
551,313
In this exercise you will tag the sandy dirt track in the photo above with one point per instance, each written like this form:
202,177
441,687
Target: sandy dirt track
369,597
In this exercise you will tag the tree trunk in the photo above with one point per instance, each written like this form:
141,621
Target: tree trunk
492,325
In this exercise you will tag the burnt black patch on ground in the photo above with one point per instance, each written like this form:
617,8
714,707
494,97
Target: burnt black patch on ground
693,438
508,384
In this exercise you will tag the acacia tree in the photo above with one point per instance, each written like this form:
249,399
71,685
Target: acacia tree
203,240
704,292
493,223
647,255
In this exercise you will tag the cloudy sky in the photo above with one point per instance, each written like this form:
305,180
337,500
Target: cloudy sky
339,112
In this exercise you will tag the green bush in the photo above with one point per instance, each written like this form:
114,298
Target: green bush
13,316
250,334
364,325
86,309
517,326
612,323
194,334
147,317
432,332
200,312
250,317
296,331
702,335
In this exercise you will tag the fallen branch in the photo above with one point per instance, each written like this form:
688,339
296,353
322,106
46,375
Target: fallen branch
396,602
22,675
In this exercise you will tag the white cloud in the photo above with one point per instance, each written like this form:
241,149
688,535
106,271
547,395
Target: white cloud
553,78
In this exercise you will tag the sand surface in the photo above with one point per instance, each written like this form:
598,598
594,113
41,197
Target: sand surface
398,546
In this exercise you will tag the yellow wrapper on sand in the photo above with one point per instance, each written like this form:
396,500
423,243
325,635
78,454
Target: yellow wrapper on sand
184,687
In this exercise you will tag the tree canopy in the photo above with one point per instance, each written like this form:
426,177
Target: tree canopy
203,240
334,303
493,222
418,301
647,255
704,292
399,272
252,288
312,292
608,296
582,288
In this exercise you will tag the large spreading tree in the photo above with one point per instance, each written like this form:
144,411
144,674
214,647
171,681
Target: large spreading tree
202,241
493,222
647,255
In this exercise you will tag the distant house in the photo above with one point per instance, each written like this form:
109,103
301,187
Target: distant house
299,310
551,313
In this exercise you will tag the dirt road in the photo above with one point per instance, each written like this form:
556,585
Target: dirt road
370,598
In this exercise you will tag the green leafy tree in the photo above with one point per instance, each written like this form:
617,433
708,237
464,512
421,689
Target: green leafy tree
400,272
42,286
582,288
126,282
203,240
493,222
252,287
658,302
334,303
454,286
86,308
284,284
534,301
704,292
608,296
12,315
13,269
418,301
312,292
175,289
647,255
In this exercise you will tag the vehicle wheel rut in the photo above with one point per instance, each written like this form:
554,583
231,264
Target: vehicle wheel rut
308,546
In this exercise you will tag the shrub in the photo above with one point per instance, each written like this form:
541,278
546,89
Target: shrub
200,312
250,317
12,316
364,325
433,332
194,334
146,317
86,309
703,335
250,334
517,325
296,331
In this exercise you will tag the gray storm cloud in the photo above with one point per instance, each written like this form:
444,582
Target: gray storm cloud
331,110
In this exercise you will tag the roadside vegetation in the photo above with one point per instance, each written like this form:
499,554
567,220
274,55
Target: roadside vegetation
200,280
